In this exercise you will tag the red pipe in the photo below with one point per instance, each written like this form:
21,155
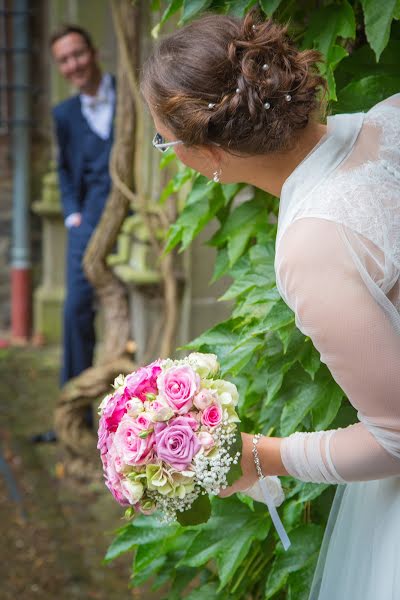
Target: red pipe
20,304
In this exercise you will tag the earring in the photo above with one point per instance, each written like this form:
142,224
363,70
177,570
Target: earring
217,175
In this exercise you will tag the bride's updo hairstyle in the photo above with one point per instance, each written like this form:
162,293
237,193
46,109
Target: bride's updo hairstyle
239,83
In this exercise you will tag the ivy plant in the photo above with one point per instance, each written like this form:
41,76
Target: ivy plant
283,385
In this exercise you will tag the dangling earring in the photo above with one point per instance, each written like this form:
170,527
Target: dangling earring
217,175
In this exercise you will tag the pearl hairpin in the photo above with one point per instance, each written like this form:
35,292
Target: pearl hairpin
265,67
211,105
288,97
238,90
267,105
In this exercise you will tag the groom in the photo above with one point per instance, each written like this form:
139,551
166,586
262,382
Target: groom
84,132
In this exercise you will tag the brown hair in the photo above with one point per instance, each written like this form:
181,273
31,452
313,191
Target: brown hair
238,83
66,29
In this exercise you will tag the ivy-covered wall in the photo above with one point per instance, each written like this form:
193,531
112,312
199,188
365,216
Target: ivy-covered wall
283,386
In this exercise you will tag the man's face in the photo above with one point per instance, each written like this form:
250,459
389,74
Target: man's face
75,60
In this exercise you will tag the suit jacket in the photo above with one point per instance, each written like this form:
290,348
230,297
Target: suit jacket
69,125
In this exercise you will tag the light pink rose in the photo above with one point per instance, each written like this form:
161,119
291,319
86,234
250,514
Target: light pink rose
212,416
203,399
143,381
102,435
206,440
133,449
176,442
178,385
112,466
193,419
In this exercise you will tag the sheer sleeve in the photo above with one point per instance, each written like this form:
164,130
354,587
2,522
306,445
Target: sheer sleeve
357,339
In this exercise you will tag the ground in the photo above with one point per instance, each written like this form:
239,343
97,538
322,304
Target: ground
54,530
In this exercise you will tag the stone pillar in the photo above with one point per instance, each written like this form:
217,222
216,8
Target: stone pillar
49,296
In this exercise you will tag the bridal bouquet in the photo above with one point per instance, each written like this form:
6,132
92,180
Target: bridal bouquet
169,438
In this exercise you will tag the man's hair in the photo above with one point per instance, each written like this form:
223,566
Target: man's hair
66,29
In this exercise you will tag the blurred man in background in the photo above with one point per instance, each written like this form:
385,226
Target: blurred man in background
84,132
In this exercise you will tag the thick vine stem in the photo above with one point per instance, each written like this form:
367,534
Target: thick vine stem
139,199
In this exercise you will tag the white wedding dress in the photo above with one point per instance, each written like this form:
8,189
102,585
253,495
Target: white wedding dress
338,268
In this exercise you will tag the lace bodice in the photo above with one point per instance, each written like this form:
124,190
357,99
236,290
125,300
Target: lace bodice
338,268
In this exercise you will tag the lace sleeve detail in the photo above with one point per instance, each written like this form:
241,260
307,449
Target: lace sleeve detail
360,344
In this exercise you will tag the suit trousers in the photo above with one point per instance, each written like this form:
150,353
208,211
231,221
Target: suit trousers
79,313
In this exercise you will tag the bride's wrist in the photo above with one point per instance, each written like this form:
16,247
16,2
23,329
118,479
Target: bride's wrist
269,454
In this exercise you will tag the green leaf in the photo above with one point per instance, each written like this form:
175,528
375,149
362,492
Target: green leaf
364,94
199,512
279,316
238,8
310,491
299,583
269,6
310,359
327,23
306,541
171,9
124,542
378,19
192,7
247,215
205,592
221,264
143,530
230,558
327,406
301,400
141,576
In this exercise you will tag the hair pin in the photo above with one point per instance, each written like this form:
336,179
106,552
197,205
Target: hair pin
265,67
238,90
211,105
267,105
288,97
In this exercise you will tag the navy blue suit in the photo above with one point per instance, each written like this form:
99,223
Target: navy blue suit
84,184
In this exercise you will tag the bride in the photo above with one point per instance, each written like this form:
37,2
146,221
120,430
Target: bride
239,103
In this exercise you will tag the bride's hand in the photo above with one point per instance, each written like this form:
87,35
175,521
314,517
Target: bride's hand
249,476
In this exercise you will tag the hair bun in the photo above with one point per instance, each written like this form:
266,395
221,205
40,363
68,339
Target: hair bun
263,89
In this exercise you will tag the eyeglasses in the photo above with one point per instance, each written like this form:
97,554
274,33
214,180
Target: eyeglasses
161,145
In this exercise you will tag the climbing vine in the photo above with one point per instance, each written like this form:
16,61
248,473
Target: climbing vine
283,385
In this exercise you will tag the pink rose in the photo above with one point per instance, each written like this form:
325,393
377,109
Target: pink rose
176,442
102,435
212,416
114,410
206,440
178,385
203,399
193,419
132,449
112,466
143,381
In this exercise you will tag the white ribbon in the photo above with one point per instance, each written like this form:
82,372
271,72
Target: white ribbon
272,495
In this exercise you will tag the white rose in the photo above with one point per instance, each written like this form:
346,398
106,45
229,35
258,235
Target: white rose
134,407
133,490
227,392
119,381
206,365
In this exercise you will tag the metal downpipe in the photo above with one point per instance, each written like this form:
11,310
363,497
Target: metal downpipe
20,253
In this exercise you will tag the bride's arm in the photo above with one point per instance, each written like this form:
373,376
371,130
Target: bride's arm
358,342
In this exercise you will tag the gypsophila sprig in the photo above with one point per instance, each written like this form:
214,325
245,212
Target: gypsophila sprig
168,434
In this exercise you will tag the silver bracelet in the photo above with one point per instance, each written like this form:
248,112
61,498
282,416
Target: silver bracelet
257,463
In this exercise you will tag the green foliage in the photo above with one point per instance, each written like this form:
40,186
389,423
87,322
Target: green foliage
283,385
